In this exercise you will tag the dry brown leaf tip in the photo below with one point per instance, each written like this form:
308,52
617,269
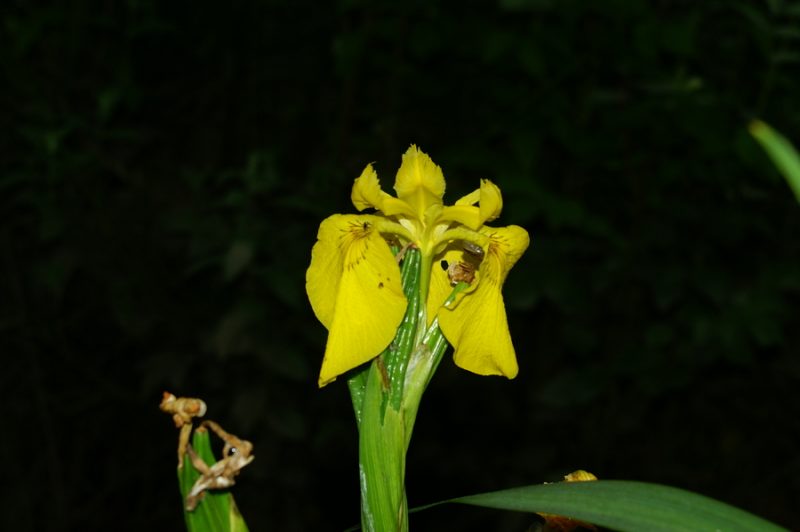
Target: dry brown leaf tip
183,409
237,453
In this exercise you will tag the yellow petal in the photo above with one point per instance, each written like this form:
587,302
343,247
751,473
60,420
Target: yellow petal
478,331
476,325
419,182
367,193
455,237
506,245
325,272
468,215
470,199
354,287
490,202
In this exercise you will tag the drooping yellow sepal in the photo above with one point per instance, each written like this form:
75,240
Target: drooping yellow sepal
475,324
353,284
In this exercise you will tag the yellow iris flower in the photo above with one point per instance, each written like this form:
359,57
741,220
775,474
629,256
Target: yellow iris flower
353,282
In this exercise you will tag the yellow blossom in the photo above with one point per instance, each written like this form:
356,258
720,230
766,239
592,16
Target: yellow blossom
353,281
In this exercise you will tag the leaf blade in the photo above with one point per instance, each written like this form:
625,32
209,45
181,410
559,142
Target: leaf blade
624,505
780,151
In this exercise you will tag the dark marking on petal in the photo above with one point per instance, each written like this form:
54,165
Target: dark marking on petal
444,265
380,285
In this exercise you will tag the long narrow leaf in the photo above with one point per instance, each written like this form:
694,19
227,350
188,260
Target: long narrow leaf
780,150
625,505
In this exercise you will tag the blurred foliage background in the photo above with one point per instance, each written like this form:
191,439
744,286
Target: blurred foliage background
165,166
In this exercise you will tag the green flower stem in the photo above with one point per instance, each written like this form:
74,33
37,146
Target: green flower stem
437,345
424,362
434,338
382,456
357,383
386,397
377,394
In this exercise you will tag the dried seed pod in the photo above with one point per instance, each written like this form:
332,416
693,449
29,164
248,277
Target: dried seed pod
183,409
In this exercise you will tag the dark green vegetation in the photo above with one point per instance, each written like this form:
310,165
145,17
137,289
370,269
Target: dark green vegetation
164,170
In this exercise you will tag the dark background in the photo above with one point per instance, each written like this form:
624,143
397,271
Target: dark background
165,166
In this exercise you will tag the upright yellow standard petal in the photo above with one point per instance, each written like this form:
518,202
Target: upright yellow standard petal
490,204
367,191
367,194
476,325
467,215
353,284
491,201
419,182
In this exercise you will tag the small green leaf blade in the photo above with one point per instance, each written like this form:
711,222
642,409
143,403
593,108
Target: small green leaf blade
780,151
625,505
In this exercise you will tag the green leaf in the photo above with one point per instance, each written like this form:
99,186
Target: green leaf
624,505
781,151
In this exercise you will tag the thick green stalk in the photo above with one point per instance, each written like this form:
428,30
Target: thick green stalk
382,457
386,399
357,384
424,361
377,397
